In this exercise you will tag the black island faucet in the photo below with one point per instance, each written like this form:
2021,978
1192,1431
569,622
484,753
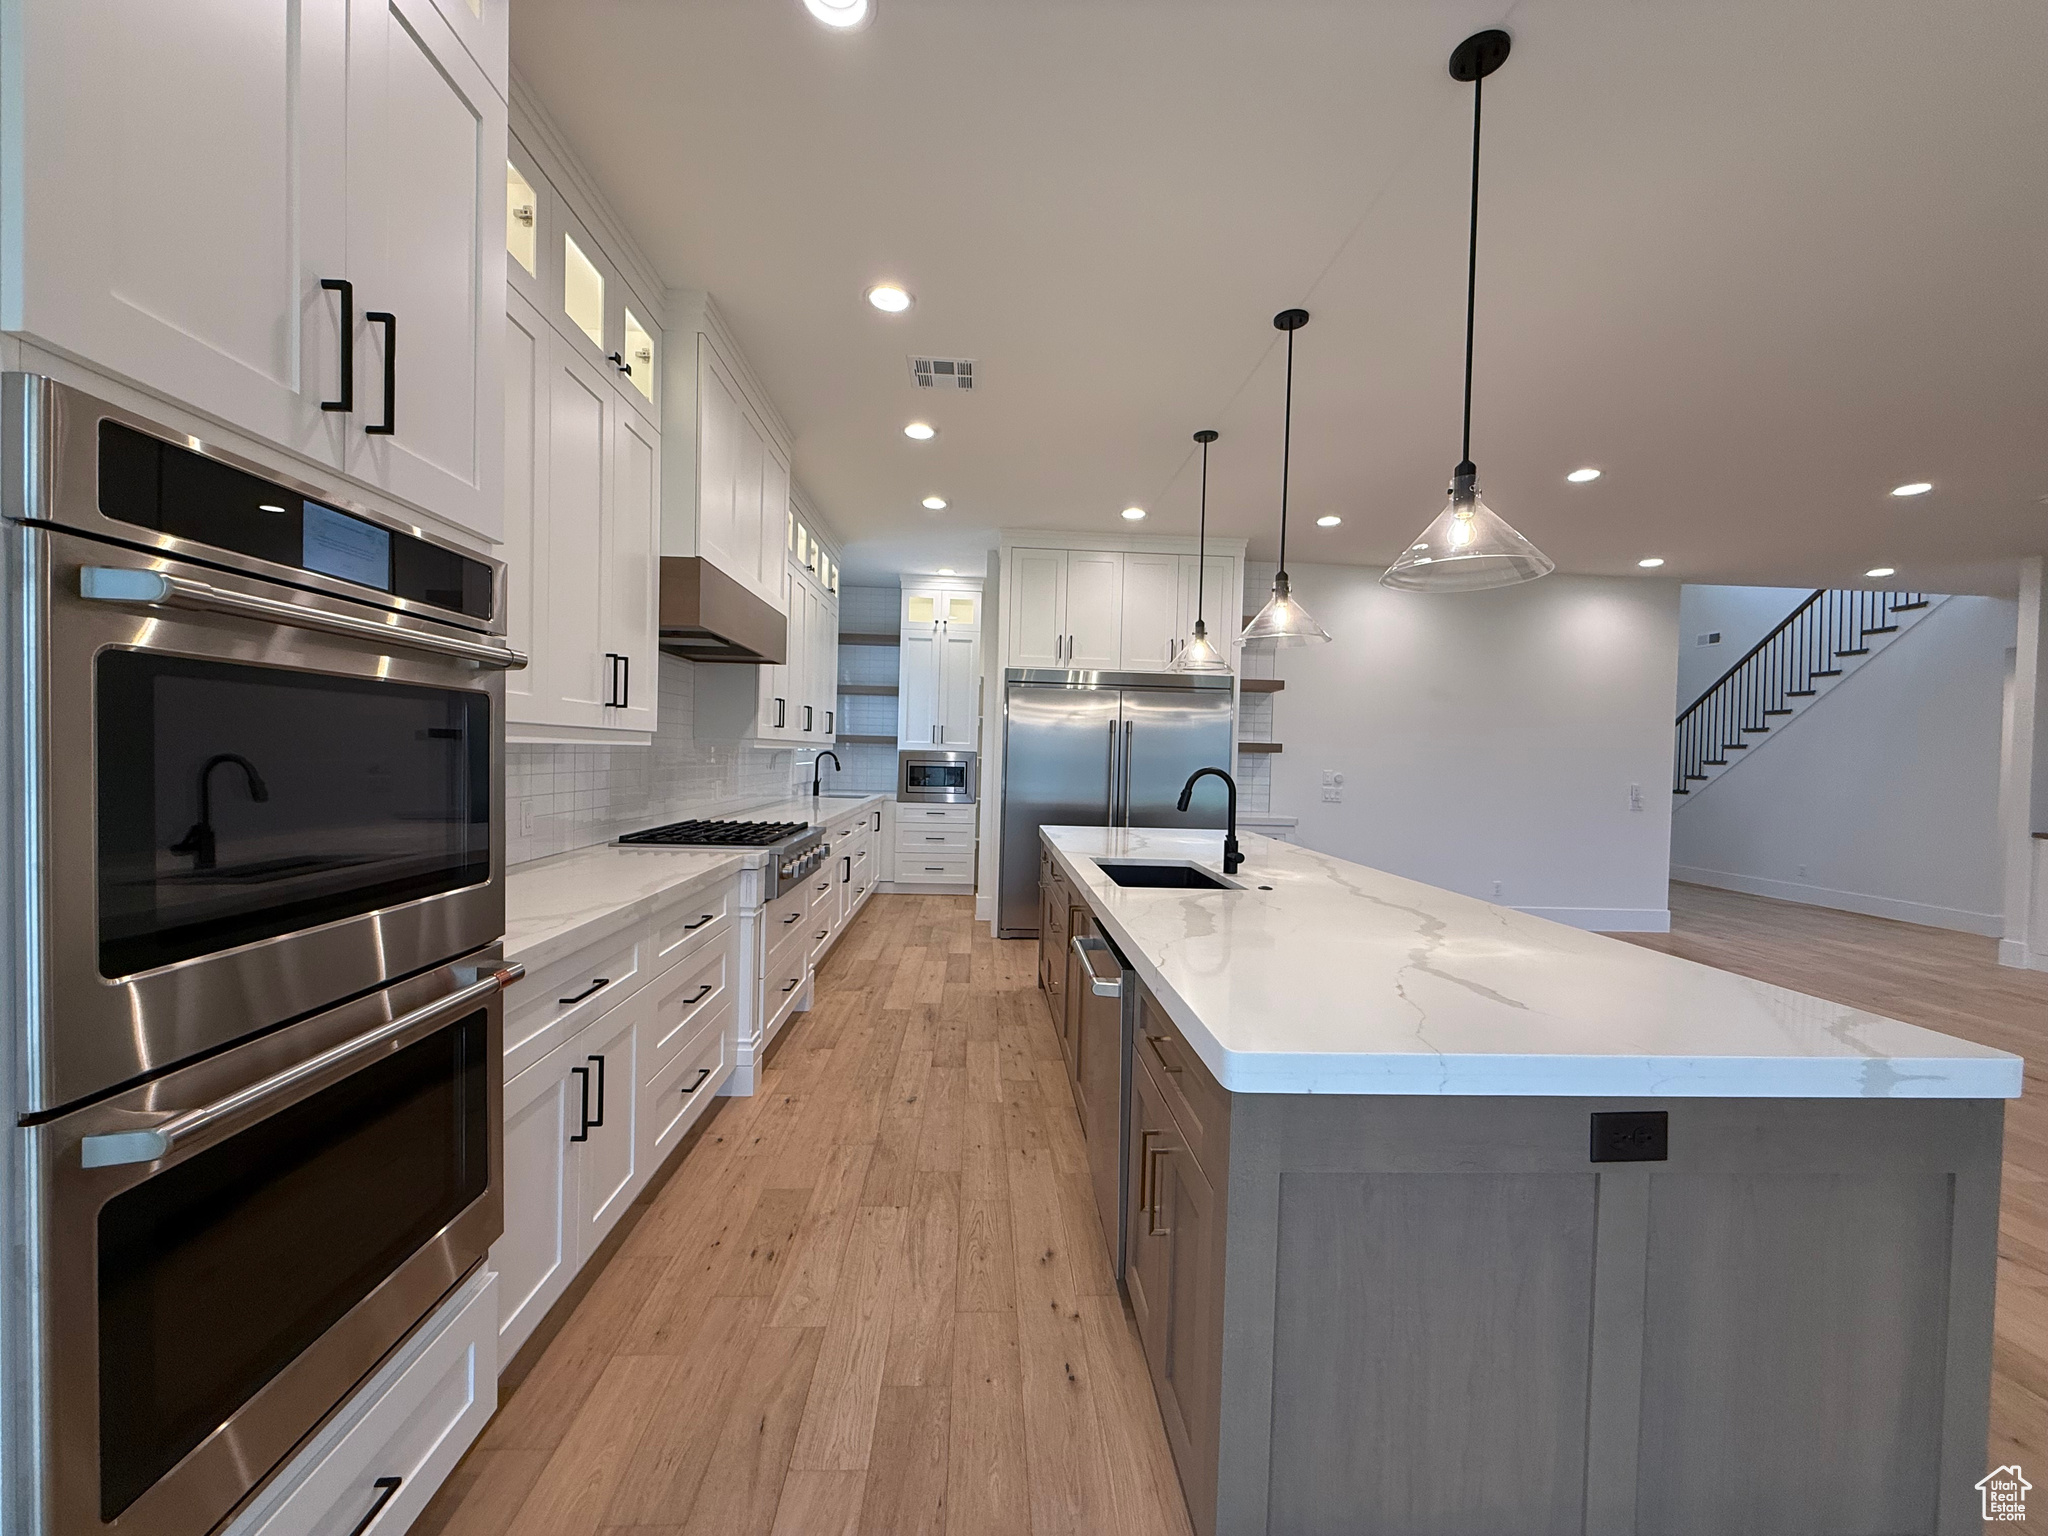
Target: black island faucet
818,767
1232,858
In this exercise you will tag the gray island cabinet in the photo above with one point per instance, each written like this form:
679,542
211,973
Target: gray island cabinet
1391,1277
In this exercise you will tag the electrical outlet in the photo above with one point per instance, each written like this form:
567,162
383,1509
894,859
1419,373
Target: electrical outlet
1802,871
526,818
1330,779
1496,890
1333,796
1635,797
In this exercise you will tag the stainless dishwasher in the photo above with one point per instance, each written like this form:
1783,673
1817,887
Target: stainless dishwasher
1101,994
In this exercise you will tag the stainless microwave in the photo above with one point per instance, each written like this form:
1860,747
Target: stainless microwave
934,776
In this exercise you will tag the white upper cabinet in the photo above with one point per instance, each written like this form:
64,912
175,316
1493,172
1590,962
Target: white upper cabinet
939,671
426,154
1151,609
482,25
1125,610
185,249
1038,608
1216,601
526,426
241,187
529,216
631,572
1095,607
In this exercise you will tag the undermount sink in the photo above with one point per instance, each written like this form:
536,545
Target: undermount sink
1173,877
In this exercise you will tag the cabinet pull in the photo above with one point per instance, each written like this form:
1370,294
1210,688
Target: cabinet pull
1161,1055
618,361
935,839
687,927
828,722
846,877
584,1134
878,821
1152,1227
779,712
791,918
597,984
702,992
792,983
389,426
599,1121
807,717
702,1073
387,1490
347,402
935,869
1145,1167
823,931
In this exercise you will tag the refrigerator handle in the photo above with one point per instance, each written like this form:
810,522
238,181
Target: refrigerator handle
1127,771
1113,781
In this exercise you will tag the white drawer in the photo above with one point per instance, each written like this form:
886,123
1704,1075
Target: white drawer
789,961
552,1004
920,838
685,930
674,1097
823,928
684,996
908,815
785,914
412,1422
948,868
822,885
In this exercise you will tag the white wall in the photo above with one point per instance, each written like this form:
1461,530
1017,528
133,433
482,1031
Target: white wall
1489,737
1883,796
1742,615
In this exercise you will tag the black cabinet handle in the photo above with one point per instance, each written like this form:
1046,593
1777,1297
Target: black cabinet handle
625,682
618,361
597,984
347,402
791,918
584,1134
792,983
702,992
389,321
598,1122
387,1490
878,821
779,711
700,921
846,875
619,683
807,717
702,1073
828,722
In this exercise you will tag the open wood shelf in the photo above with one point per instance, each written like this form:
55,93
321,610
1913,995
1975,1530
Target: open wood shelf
1258,746
867,741
1261,684
876,690
868,638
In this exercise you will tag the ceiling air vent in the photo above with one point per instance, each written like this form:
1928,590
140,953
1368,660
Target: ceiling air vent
942,372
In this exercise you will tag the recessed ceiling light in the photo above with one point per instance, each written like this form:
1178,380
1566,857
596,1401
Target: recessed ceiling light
924,432
842,15
1882,570
1329,521
889,298
1651,563
269,506
1581,476
1134,514
1913,488
935,503
946,570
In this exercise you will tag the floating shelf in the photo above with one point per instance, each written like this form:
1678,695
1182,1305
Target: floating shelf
1261,684
868,741
876,690
870,639
1258,746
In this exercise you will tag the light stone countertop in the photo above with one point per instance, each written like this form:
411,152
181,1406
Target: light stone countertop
1345,979
558,905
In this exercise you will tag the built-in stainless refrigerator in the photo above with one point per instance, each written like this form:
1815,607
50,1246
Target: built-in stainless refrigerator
1103,749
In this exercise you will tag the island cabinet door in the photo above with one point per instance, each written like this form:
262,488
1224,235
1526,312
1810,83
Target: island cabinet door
1175,1278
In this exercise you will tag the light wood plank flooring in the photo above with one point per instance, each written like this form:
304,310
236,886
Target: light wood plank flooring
874,1298
1947,981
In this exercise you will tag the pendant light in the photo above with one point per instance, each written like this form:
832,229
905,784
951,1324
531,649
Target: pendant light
1282,621
1469,547
1199,653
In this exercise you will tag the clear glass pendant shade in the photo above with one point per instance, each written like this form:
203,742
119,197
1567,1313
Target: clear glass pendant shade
1199,654
1469,548
1283,621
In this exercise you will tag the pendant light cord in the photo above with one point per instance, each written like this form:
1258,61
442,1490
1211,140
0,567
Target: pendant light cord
1465,466
1286,447
1202,539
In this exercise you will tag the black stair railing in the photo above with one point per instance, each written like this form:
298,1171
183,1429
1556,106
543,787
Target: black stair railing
1832,623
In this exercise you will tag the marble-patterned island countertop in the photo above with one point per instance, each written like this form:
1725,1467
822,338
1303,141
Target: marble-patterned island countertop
1322,976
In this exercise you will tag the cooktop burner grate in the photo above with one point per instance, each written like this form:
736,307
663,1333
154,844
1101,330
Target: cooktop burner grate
718,834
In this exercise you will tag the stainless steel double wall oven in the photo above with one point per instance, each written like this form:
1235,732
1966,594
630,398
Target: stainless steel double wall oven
253,945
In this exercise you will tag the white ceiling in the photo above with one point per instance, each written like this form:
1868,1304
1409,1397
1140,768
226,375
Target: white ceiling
1757,261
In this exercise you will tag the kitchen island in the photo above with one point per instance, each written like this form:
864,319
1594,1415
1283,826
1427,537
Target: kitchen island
1443,1218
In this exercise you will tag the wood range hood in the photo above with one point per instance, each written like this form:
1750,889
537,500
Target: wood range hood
705,615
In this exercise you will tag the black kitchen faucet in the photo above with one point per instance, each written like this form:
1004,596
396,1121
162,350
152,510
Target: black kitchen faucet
1231,857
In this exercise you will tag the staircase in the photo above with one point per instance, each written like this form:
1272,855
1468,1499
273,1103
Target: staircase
1821,642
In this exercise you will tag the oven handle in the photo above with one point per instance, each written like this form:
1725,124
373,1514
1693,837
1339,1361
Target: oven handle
113,1148
159,589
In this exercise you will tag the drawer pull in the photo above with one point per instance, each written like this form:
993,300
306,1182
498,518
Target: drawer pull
1152,1156
597,1122
1156,1051
823,931
940,839
702,992
387,1490
597,984
935,869
792,983
690,927
702,1073
791,918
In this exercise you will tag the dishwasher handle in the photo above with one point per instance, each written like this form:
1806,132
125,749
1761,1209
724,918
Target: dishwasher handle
1100,986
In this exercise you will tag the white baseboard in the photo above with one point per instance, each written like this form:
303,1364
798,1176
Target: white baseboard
1607,919
1928,915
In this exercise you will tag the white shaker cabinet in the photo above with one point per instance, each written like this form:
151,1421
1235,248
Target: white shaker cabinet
1038,608
1151,610
742,489
240,188
632,538
537,1255
1095,609
939,677
1067,608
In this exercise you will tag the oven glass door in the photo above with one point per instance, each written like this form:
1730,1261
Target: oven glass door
237,803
